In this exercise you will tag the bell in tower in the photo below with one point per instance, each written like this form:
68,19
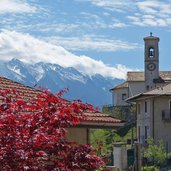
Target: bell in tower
151,52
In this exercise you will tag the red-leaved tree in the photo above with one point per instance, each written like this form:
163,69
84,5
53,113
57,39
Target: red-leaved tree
32,134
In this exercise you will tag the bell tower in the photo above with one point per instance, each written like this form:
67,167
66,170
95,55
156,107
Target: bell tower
151,61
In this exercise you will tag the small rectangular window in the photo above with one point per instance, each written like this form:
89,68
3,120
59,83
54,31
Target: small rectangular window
138,108
145,136
145,107
139,133
170,107
124,96
147,87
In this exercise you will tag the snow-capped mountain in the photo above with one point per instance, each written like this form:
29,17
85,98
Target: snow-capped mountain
91,89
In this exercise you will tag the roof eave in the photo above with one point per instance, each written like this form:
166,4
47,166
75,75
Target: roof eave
101,125
133,98
139,97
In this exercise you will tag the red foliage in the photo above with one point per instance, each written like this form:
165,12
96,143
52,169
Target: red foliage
32,134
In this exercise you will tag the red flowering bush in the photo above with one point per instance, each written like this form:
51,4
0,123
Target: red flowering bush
32,134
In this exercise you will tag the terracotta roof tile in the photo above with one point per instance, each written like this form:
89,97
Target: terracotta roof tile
97,118
101,117
25,91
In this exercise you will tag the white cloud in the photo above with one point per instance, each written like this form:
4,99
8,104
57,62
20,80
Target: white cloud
152,13
150,20
47,27
90,42
16,6
154,7
159,10
136,20
117,25
94,21
114,5
31,50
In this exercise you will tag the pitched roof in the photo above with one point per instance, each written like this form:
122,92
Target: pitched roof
91,118
122,85
165,75
103,120
139,76
164,90
25,91
135,76
159,91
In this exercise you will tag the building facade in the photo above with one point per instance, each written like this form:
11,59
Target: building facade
154,115
151,92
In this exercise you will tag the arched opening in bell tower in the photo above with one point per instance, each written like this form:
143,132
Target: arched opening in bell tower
151,52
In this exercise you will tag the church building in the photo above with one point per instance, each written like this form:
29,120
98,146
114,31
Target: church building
151,92
138,82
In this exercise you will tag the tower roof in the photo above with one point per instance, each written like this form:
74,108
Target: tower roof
151,37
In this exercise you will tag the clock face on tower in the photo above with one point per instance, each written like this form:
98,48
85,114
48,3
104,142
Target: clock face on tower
151,66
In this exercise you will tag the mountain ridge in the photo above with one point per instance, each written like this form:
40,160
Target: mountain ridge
92,89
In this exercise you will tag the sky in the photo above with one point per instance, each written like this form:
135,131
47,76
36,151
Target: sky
94,36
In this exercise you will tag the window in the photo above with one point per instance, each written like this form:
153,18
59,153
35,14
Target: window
145,136
138,133
124,96
145,107
169,109
147,87
138,108
151,52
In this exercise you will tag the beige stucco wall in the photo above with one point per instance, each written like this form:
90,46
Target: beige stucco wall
78,135
120,157
136,87
144,119
162,129
117,97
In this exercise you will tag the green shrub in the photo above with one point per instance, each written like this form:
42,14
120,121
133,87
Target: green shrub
150,168
155,152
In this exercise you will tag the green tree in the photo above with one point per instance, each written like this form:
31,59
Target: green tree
155,152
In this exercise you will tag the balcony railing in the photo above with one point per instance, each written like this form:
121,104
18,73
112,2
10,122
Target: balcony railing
166,115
